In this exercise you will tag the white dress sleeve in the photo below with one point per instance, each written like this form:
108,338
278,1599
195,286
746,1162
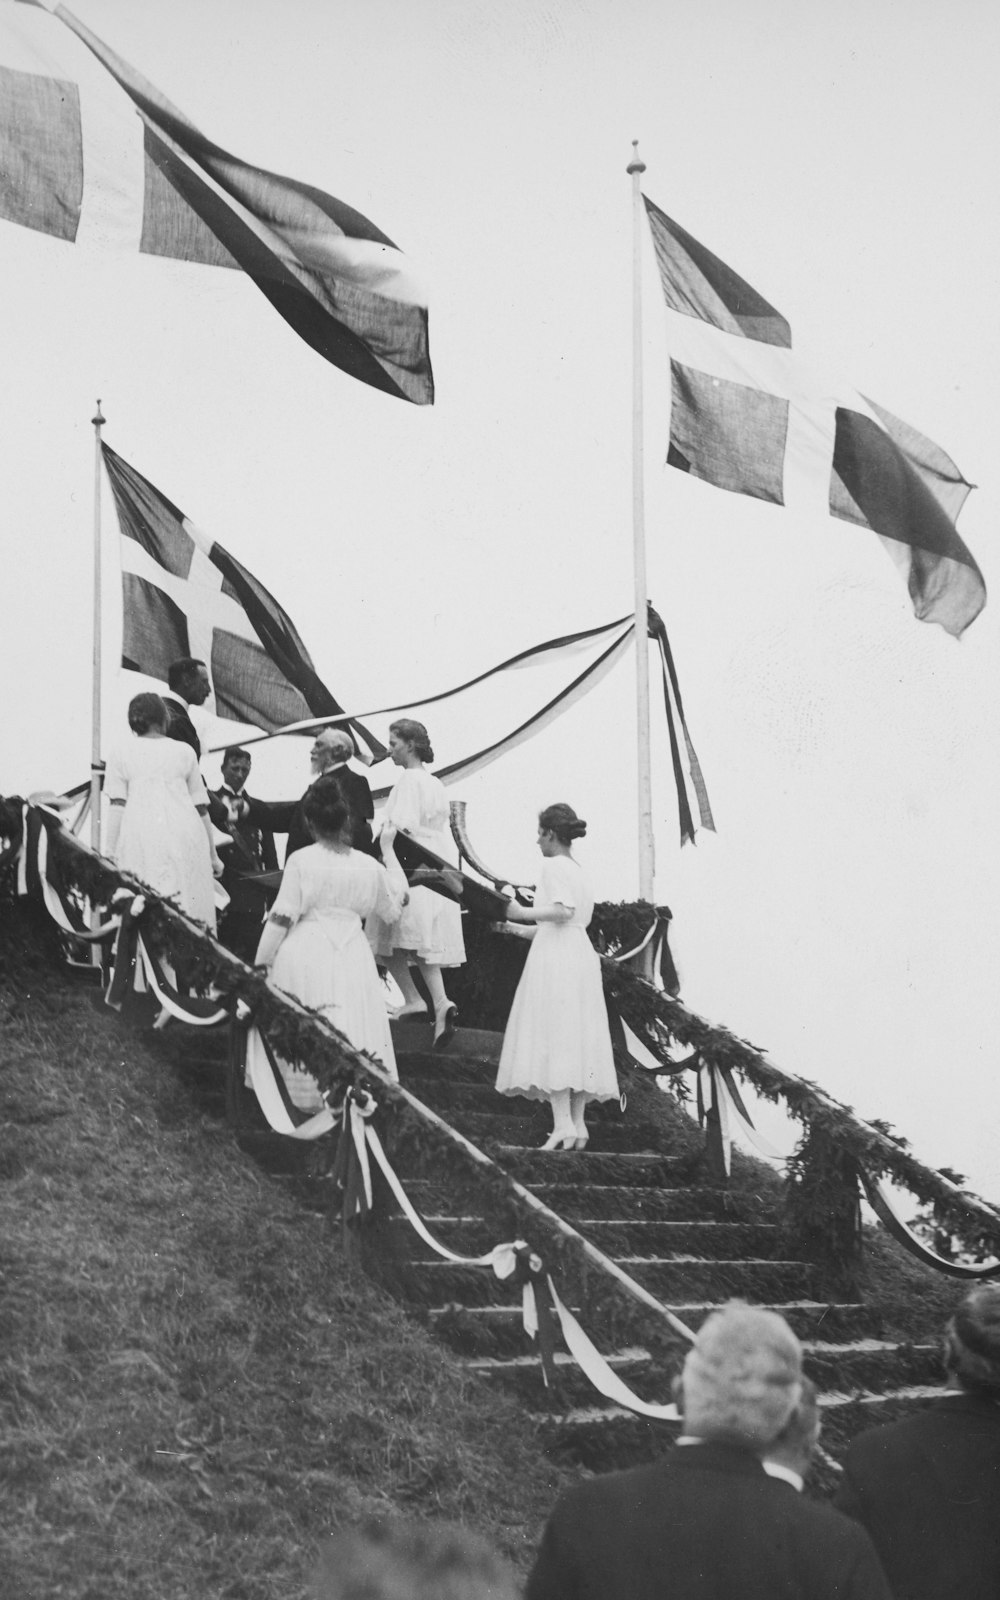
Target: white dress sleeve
560,885
403,806
284,914
115,781
195,781
391,892
288,905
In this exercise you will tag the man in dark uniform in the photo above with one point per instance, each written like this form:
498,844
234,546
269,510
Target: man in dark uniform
188,685
250,851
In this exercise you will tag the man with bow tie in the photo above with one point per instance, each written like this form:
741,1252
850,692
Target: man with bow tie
251,850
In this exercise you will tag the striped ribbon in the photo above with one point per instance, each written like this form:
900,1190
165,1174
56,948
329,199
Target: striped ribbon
506,1260
878,1198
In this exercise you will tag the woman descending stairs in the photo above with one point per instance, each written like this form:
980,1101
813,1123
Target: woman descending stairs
645,1207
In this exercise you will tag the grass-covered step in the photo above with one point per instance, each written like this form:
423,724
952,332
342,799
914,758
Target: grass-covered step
432,1282
482,1330
684,1204
522,1376
413,1043
808,1318
715,1241
625,1167
468,1236
524,1127
872,1365
603,1439
684,1279
453,1100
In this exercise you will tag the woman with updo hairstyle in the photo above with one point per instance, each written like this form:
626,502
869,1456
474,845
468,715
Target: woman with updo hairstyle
313,944
557,1046
429,932
158,826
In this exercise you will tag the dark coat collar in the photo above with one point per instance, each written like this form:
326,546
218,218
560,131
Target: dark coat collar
709,1455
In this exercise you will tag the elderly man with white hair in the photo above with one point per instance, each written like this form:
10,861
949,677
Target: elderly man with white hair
331,750
709,1521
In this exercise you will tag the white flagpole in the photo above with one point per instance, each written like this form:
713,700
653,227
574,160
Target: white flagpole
647,864
95,718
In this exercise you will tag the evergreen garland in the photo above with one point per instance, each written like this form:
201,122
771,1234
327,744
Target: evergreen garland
822,1194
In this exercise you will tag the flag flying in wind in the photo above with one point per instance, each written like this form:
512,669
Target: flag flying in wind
129,168
750,415
184,595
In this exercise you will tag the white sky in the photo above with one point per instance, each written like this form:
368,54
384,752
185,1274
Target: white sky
844,161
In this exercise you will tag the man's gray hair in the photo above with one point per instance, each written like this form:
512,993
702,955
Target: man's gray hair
337,740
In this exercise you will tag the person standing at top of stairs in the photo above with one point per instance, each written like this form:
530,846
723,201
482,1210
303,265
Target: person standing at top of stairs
558,1045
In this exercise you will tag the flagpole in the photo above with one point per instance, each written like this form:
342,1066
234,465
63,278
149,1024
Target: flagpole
95,714
647,864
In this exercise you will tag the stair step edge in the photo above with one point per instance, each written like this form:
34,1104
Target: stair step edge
863,1397
562,1358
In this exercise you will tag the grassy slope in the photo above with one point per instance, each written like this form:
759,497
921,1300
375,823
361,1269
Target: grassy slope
195,1384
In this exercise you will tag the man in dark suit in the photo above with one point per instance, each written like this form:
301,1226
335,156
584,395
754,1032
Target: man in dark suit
188,685
250,851
927,1488
331,750
708,1522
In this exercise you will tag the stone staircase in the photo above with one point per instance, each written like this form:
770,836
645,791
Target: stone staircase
688,1241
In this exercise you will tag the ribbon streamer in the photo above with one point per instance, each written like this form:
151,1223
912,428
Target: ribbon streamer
265,1085
192,1009
351,1170
596,1369
878,1198
33,877
505,1260
657,631
121,983
664,971
502,1258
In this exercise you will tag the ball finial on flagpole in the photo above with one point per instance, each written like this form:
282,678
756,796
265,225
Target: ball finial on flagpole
636,164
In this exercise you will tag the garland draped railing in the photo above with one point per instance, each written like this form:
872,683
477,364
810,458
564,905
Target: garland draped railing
839,1153
543,1245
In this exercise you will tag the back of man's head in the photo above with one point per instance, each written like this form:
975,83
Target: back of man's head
181,674
799,1437
972,1341
742,1378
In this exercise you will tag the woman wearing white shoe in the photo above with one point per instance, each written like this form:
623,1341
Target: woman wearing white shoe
558,1045
429,931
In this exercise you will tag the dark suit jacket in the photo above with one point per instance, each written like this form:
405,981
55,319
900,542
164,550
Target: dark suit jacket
179,724
704,1523
252,848
928,1491
285,816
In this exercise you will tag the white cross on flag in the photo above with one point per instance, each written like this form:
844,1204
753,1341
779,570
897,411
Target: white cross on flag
750,415
184,595
98,154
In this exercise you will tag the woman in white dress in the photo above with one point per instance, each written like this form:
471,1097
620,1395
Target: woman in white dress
313,943
158,826
557,1045
429,931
